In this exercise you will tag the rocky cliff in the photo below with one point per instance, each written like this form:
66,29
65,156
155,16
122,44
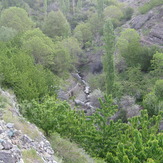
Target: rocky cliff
20,141
149,25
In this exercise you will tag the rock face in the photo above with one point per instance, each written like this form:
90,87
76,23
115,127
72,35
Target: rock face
149,25
14,141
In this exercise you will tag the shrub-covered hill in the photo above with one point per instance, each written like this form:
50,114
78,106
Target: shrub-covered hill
21,141
147,20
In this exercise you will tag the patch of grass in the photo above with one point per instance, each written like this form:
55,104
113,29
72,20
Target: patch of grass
70,152
20,123
3,102
149,5
30,156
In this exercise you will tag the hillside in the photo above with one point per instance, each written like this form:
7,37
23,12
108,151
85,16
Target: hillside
84,81
22,141
149,24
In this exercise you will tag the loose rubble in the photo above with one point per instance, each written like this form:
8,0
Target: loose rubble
13,141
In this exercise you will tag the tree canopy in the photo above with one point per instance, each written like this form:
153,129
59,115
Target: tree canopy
16,18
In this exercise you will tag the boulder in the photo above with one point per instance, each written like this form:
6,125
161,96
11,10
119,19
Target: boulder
6,157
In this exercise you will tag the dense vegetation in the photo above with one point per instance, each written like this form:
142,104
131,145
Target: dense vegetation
43,42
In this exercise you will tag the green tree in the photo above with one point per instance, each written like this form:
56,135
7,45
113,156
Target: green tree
114,13
16,18
72,45
129,46
96,24
7,33
100,8
29,81
56,25
109,39
153,101
83,33
157,64
39,46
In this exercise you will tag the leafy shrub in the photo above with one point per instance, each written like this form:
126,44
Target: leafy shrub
153,101
83,33
95,96
29,81
128,12
68,151
7,33
16,18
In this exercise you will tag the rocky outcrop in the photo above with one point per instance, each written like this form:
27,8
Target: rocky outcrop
14,141
149,25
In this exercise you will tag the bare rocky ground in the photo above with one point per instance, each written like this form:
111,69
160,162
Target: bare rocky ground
20,141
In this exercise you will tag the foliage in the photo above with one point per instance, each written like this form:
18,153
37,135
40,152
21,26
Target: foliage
9,3
114,13
97,81
149,5
68,151
133,52
129,46
27,80
16,18
116,141
157,64
100,8
39,46
73,47
55,56
83,33
140,141
109,39
62,60
127,13
56,25
6,33
95,24
54,115
153,100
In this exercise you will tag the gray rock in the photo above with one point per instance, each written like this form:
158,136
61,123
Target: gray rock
140,20
10,133
10,125
26,140
1,140
7,145
1,147
1,131
6,157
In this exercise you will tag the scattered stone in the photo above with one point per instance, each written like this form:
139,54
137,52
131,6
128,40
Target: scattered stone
1,147
6,145
6,157
10,133
10,125
13,141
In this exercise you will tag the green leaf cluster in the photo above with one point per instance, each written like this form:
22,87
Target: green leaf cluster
29,81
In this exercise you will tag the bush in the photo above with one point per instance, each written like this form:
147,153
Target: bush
29,81
95,96
68,151
159,89
128,12
153,101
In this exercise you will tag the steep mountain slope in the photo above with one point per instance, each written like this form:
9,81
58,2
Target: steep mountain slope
149,25
20,141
